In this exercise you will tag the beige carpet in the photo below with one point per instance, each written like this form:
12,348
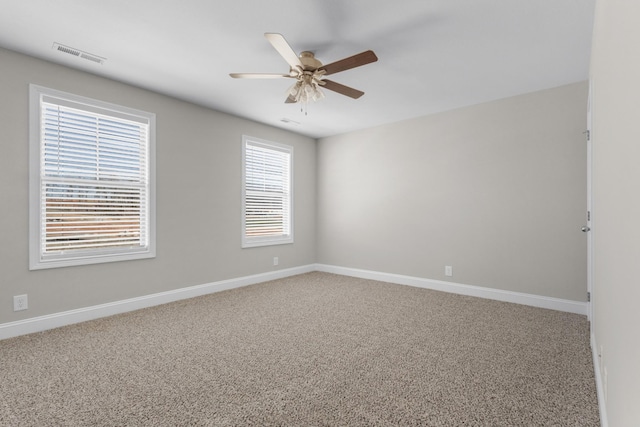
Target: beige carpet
311,350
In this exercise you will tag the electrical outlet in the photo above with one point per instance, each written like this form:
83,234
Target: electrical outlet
20,302
275,260
448,270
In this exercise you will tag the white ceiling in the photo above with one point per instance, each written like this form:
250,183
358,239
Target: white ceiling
433,55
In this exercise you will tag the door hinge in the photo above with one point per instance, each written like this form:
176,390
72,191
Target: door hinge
588,215
588,133
588,296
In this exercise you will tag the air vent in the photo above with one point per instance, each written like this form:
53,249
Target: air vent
77,52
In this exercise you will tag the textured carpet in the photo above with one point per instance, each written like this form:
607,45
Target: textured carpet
311,350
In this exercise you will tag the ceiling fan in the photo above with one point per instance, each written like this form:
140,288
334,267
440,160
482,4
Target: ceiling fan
309,73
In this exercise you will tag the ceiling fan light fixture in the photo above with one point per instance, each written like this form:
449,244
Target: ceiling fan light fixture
305,92
307,88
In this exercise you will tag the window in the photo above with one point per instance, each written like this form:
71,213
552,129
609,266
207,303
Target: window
266,193
91,181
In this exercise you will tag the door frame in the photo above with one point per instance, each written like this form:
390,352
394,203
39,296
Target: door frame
589,213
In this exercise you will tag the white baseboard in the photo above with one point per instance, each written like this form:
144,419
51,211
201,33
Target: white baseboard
55,320
602,403
43,323
569,306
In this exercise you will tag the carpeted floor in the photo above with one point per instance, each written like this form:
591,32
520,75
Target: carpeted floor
310,350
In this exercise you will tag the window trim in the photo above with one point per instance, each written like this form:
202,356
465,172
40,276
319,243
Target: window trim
249,242
36,260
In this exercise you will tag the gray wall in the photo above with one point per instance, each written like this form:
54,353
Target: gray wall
496,190
198,198
615,69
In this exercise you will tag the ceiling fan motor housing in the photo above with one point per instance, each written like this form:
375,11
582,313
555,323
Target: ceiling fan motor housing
309,61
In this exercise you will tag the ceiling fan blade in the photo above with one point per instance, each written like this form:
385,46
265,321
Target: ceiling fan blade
284,49
290,100
258,76
354,61
342,89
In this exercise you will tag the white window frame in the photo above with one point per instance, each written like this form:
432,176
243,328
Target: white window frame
39,258
273,239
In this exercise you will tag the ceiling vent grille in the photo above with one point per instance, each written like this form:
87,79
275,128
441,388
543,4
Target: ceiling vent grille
78,53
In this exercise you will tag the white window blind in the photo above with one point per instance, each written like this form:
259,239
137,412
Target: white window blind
94,199
267,201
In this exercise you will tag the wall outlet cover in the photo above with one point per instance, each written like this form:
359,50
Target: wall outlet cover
20,302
